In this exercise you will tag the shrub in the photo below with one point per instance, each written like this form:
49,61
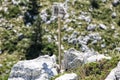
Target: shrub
95,4
13,11
96,70
49,48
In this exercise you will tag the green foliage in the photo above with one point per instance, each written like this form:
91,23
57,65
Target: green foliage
118,22
4,77
81,5
9,43
13,11
100,15
95,3
9,46
49,48
7,61
96,70
53,1
49,12
33,10
35,47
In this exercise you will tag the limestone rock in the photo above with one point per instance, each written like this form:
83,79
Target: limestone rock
0,51
84,16
115,73
95,36
73,38
88,19
43,15
20,36
111,75
115,3
64,27
15,2
117,48
65,37
84,48
97,58
51,19
102,26
1,65
72,59
41,68
83,39
16,79
103,45
69,29
70,76
113,27
114,15
91,27
104,1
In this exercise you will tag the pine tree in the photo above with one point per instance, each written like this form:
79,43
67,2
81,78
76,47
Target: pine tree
32,12
32,17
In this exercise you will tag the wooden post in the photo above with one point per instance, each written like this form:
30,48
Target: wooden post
59,11
59,41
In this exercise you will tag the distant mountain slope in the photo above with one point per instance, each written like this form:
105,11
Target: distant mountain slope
28,29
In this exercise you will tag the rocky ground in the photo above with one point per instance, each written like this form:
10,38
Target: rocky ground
90,40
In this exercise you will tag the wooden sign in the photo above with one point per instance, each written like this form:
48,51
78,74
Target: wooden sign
55,10
58,9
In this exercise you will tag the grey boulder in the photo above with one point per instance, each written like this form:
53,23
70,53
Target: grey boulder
91,27
114,74
70,76
102,26
72,59
116,3
41,68
114,15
